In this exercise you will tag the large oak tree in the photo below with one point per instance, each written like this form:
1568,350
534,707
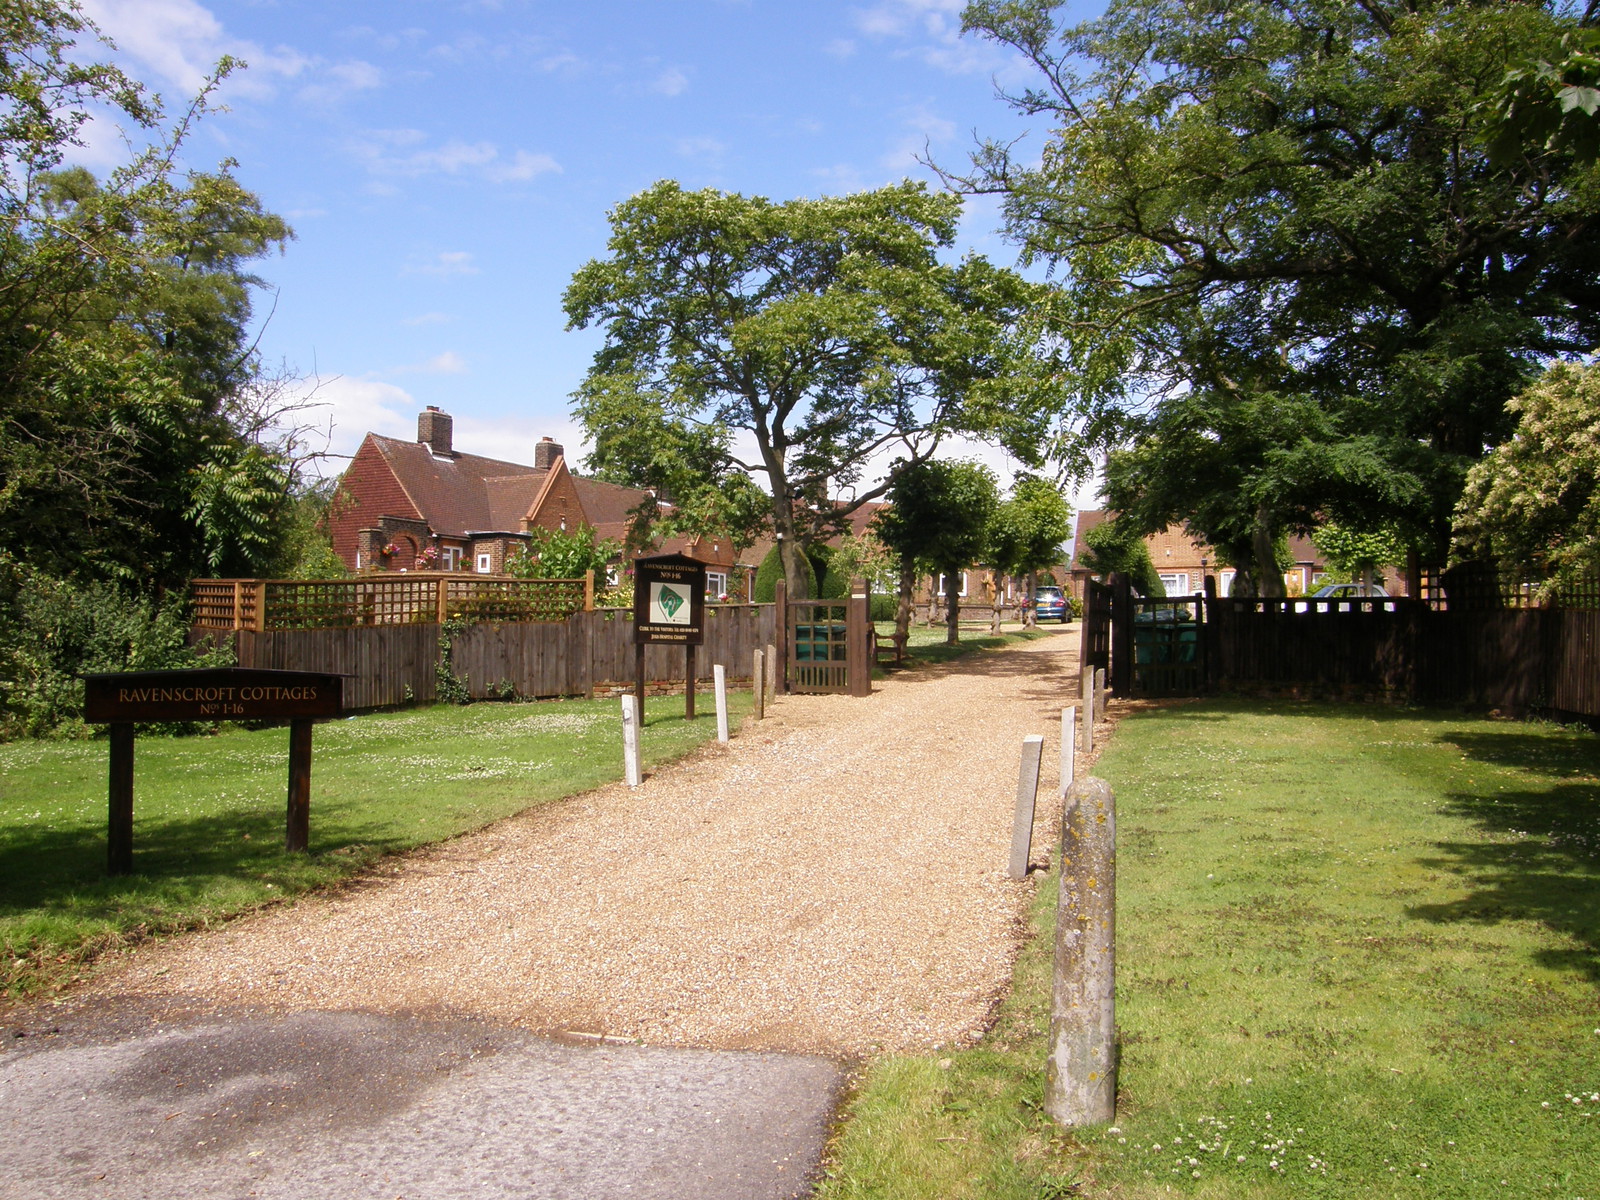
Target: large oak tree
827,335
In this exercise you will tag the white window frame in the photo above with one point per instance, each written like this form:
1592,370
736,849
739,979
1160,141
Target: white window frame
1176,582
451,556
1225,583
485,562
716,584
938,586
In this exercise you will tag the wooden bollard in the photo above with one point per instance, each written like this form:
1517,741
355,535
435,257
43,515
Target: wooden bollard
1080,1073
1027,794
1086,695
719,677
758,685
630,740
1069,758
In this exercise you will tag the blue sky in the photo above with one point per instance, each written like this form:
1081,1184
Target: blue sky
448,164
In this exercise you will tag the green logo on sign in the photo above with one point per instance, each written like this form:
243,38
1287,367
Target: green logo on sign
670,602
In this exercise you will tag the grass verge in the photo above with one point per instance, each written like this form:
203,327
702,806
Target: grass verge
209,813
1358,952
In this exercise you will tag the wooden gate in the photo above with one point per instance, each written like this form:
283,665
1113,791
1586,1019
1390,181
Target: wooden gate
830,645
1168,645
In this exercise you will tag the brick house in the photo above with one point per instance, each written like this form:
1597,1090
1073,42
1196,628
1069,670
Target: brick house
1184,563
425,505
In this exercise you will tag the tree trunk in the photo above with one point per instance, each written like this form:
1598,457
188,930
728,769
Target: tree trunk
1266,555
952,607
1030,599
902,612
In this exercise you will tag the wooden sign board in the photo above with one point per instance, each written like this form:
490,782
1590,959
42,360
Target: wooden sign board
211,694
208,694
669,600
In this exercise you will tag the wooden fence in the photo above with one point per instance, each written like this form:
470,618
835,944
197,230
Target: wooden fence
398,663
416,597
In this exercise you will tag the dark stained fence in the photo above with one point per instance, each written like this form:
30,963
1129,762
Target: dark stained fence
1354,648
1096,646
385,664
394,664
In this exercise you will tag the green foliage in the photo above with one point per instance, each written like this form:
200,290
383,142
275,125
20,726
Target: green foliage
564,554
134,441
1351,552
771,570
1534,504
1280,224
1117,545
865,556
826,330
1030,529
54,631
940,514
1549,108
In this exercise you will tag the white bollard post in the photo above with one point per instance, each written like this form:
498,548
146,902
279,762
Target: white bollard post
719,676
630,740
1080,1085
1086,695
1069,746
758,685
1027,794
772,673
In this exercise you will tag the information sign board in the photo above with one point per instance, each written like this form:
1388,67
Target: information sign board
669,600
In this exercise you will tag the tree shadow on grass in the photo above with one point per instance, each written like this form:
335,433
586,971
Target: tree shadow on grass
1544,864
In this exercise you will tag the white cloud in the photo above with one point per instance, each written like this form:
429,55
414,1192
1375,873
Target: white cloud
178,43
671,82
700,147
348,409
445,263
403,152
522,166
429,318
447,363
925,128
933,27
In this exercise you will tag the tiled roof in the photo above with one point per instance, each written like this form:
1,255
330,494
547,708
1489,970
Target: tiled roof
468,492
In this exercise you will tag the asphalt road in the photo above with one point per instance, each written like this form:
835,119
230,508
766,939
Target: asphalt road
131,1102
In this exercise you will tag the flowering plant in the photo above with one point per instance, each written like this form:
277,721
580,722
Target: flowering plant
428,557
390,550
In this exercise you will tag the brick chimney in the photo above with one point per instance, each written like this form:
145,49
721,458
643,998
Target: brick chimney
546,453
434,430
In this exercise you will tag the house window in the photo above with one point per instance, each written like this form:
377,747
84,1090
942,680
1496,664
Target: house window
485,562
450,558
716,584
1225,584
941,581
1176,583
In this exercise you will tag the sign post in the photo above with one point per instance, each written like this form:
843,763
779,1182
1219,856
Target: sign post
669,607
208,694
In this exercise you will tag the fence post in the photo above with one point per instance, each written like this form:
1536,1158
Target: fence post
442,599
1080,1072
758,685
858,644
719,676
238,604
1027,794
1121,634
588,590
630,740
780,602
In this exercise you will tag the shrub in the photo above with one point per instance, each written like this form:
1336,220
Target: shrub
768,574
56,631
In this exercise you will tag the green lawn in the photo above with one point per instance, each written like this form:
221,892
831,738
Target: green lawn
1358,954
209,812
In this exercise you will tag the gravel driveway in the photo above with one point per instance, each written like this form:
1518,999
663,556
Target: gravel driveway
833,882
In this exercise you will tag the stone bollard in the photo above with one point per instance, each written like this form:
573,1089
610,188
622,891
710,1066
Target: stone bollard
1027,795
758,685
1080,1072
719,677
